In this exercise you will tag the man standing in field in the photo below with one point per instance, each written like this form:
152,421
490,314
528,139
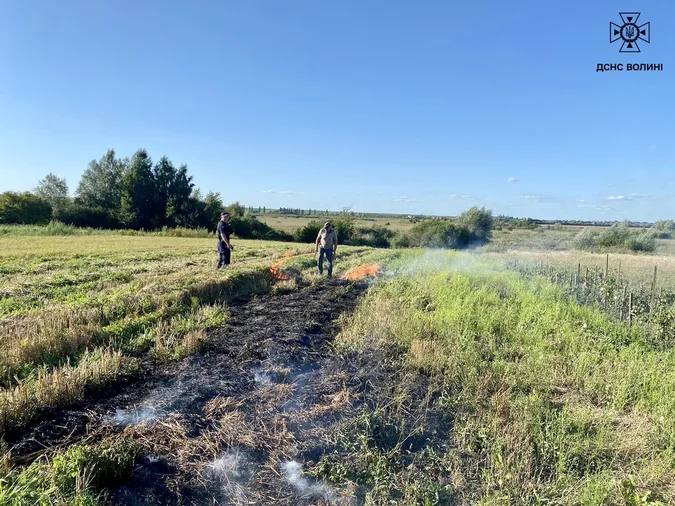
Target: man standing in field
224,231
327,241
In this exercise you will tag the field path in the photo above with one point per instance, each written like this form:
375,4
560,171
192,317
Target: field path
233,424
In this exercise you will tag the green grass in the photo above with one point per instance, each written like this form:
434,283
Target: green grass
82,475
552,402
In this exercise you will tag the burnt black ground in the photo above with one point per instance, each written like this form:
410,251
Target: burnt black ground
256,328
292,327
289,332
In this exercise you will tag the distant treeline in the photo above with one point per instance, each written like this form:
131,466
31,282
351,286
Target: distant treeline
113,193
139,195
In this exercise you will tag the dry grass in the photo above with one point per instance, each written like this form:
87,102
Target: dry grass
135,295
161,295
64,385
639,269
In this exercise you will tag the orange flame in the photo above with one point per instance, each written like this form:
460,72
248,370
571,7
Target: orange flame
362,271
276,268
276,272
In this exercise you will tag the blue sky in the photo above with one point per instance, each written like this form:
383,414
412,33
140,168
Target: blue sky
386,106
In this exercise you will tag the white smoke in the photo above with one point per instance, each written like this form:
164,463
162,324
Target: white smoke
134,416
292,472
227,466
261,377
231,470
445,260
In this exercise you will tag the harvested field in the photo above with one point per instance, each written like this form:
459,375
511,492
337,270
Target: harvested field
411,379
238,423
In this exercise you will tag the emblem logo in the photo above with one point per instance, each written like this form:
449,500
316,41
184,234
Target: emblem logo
630,32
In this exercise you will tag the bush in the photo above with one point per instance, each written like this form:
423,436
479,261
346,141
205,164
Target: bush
308,233
376,237
644,241
478,222
661,234
616,235
401,240
83,216
665,225
198,232
24,208
584,239
473,227
435,233
344,225
250,228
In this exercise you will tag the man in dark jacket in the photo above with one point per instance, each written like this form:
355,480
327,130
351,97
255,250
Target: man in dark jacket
224,231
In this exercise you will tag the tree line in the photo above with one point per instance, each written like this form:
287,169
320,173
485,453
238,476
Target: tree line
135,193
118,193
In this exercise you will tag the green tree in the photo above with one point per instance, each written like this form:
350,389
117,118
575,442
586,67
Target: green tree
101,184
213,206
54,190
665,225
478,222
24,208
236,210
174,188
344,224
138,200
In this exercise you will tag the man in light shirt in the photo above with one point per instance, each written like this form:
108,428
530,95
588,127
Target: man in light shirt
326,245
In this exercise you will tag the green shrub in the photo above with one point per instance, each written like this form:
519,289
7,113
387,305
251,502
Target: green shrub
308,233
377,237
250,228
478,222
473,227
83,216
665,225
616,235
644,241
584,240
24,208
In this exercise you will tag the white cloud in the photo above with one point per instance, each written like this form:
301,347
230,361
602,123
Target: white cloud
541,198
618,197
512,180
283,192
582,201
404,199
466,196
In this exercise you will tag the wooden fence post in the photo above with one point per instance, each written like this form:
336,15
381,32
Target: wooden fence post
651,301
630,309
618,282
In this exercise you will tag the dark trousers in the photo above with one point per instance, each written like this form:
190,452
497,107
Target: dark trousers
224,255
328,252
